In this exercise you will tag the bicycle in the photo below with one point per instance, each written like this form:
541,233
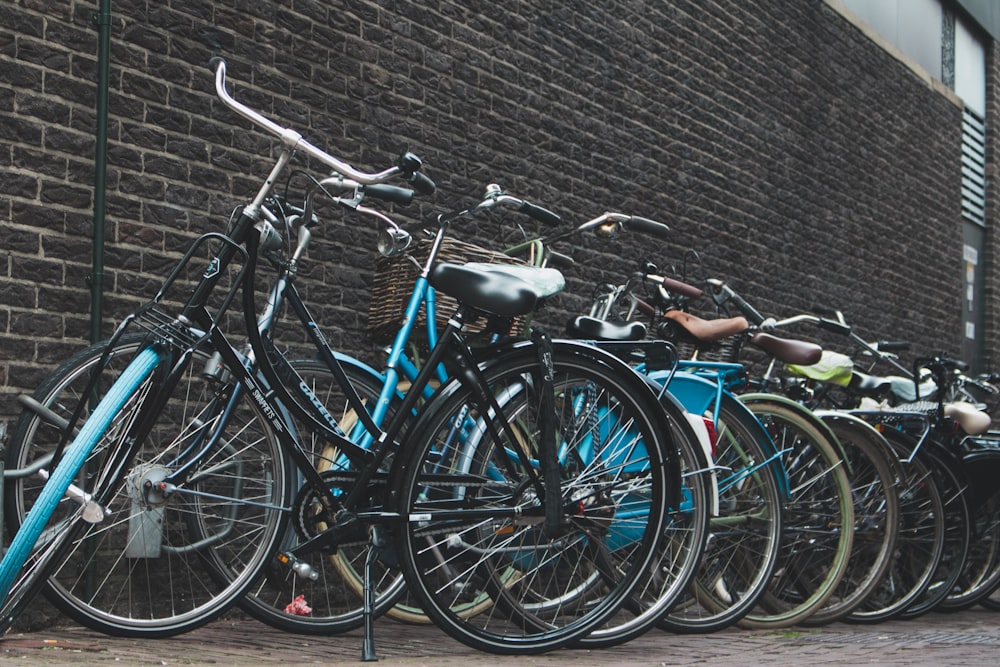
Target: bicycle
909,427
793,597
532,528
745,530
873,472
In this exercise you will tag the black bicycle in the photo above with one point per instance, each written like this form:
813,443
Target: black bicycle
535,483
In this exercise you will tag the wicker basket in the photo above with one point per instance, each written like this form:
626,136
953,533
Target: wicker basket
396,275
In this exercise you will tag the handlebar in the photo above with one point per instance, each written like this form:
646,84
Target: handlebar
495,196
723,293
608,224
407,166
675,286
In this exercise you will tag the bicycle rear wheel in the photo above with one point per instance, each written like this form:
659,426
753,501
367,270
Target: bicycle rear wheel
473,525
333,602
164,560
818,516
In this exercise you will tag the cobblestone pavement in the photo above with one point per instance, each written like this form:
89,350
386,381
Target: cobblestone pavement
970,637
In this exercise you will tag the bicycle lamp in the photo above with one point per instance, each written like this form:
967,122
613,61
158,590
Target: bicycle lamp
392,241
607,230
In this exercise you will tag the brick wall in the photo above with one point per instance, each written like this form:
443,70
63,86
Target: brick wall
801,161
992,286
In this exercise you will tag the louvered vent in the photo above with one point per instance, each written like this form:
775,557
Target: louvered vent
973,168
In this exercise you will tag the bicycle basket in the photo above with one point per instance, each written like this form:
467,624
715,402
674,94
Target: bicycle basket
393,284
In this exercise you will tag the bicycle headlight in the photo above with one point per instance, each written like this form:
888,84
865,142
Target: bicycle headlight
392,240
270,239
608,230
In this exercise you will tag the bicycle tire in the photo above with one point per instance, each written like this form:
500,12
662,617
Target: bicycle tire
53,491
680,553
544,593
919,540
188,537
818,515
991,600
335,598
981,572
742,546
876,514
957,522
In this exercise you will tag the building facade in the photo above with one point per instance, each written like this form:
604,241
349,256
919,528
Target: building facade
806,152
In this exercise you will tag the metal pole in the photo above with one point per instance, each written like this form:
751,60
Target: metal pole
102,19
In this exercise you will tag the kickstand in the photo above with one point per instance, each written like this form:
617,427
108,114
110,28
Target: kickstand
368,609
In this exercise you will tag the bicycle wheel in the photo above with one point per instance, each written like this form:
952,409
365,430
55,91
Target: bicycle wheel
957,527
164,560
332,603
818,516
677,561
876,514
919,540
34,552
471,499
743,538
981,573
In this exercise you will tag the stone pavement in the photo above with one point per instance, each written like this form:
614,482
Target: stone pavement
970,637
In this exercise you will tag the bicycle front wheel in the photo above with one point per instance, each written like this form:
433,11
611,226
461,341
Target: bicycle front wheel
873,477
744,536
33,551
679,556
471,498
920,538
173,550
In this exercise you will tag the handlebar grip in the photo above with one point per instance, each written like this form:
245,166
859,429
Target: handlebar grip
422,183
543,215
651,227
644,307
956,363
834,326
682,288
390,193
748,311
215,61
893,345
824,310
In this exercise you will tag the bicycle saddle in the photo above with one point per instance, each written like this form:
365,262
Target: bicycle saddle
591,328
545,281
788,350
507,292
900,387
708,330
972,420
831,367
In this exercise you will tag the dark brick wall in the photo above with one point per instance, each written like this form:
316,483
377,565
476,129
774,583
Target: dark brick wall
992,286
799,159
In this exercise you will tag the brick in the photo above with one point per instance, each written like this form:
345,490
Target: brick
65,194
